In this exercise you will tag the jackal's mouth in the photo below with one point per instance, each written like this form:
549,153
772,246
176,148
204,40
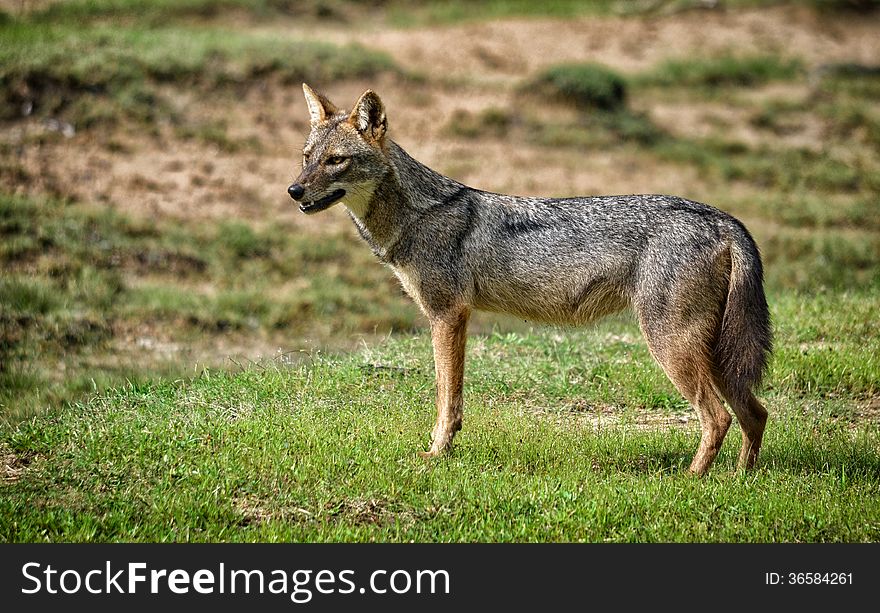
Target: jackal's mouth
323,203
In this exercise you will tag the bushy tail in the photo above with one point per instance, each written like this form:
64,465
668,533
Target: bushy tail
746,339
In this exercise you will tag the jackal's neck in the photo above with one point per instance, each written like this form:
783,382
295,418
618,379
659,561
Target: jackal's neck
401,196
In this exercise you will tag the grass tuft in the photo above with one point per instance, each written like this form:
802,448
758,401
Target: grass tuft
163,12
722,71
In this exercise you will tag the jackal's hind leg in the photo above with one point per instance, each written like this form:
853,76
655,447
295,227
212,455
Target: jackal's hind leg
685,360
752,417
714,422
448,335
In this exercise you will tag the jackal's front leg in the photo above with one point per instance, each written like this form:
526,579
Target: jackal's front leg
448,334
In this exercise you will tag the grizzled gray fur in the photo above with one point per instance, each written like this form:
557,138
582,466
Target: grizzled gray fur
691,273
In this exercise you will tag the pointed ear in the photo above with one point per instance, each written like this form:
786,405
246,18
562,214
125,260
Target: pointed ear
368,116
319,107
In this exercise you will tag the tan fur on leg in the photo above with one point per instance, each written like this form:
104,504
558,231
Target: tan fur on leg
448,334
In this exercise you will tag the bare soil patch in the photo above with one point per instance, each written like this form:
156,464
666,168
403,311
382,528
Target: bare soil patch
12,464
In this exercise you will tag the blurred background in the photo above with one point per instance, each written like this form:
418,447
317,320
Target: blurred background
146,148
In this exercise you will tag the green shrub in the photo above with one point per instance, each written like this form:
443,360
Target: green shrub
28,296
585,86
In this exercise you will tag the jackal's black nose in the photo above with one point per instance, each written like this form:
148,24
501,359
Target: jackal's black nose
296,191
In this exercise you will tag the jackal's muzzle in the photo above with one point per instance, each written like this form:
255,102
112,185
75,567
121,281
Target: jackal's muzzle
297,191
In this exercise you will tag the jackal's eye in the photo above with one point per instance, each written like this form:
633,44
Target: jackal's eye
336,160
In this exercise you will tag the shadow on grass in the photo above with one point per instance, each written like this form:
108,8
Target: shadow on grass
836,452
847,460
858,462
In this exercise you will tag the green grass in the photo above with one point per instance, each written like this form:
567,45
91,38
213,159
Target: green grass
590,130
596,131
63,68
79,280
851,80
825,345
163,12
775,168
326,451
490,122
420,12
725,70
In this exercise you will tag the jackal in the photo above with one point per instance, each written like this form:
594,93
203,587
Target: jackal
691,273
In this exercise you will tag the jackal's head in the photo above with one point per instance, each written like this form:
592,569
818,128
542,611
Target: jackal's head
344,156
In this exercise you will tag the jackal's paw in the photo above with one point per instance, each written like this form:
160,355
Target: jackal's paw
438,447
